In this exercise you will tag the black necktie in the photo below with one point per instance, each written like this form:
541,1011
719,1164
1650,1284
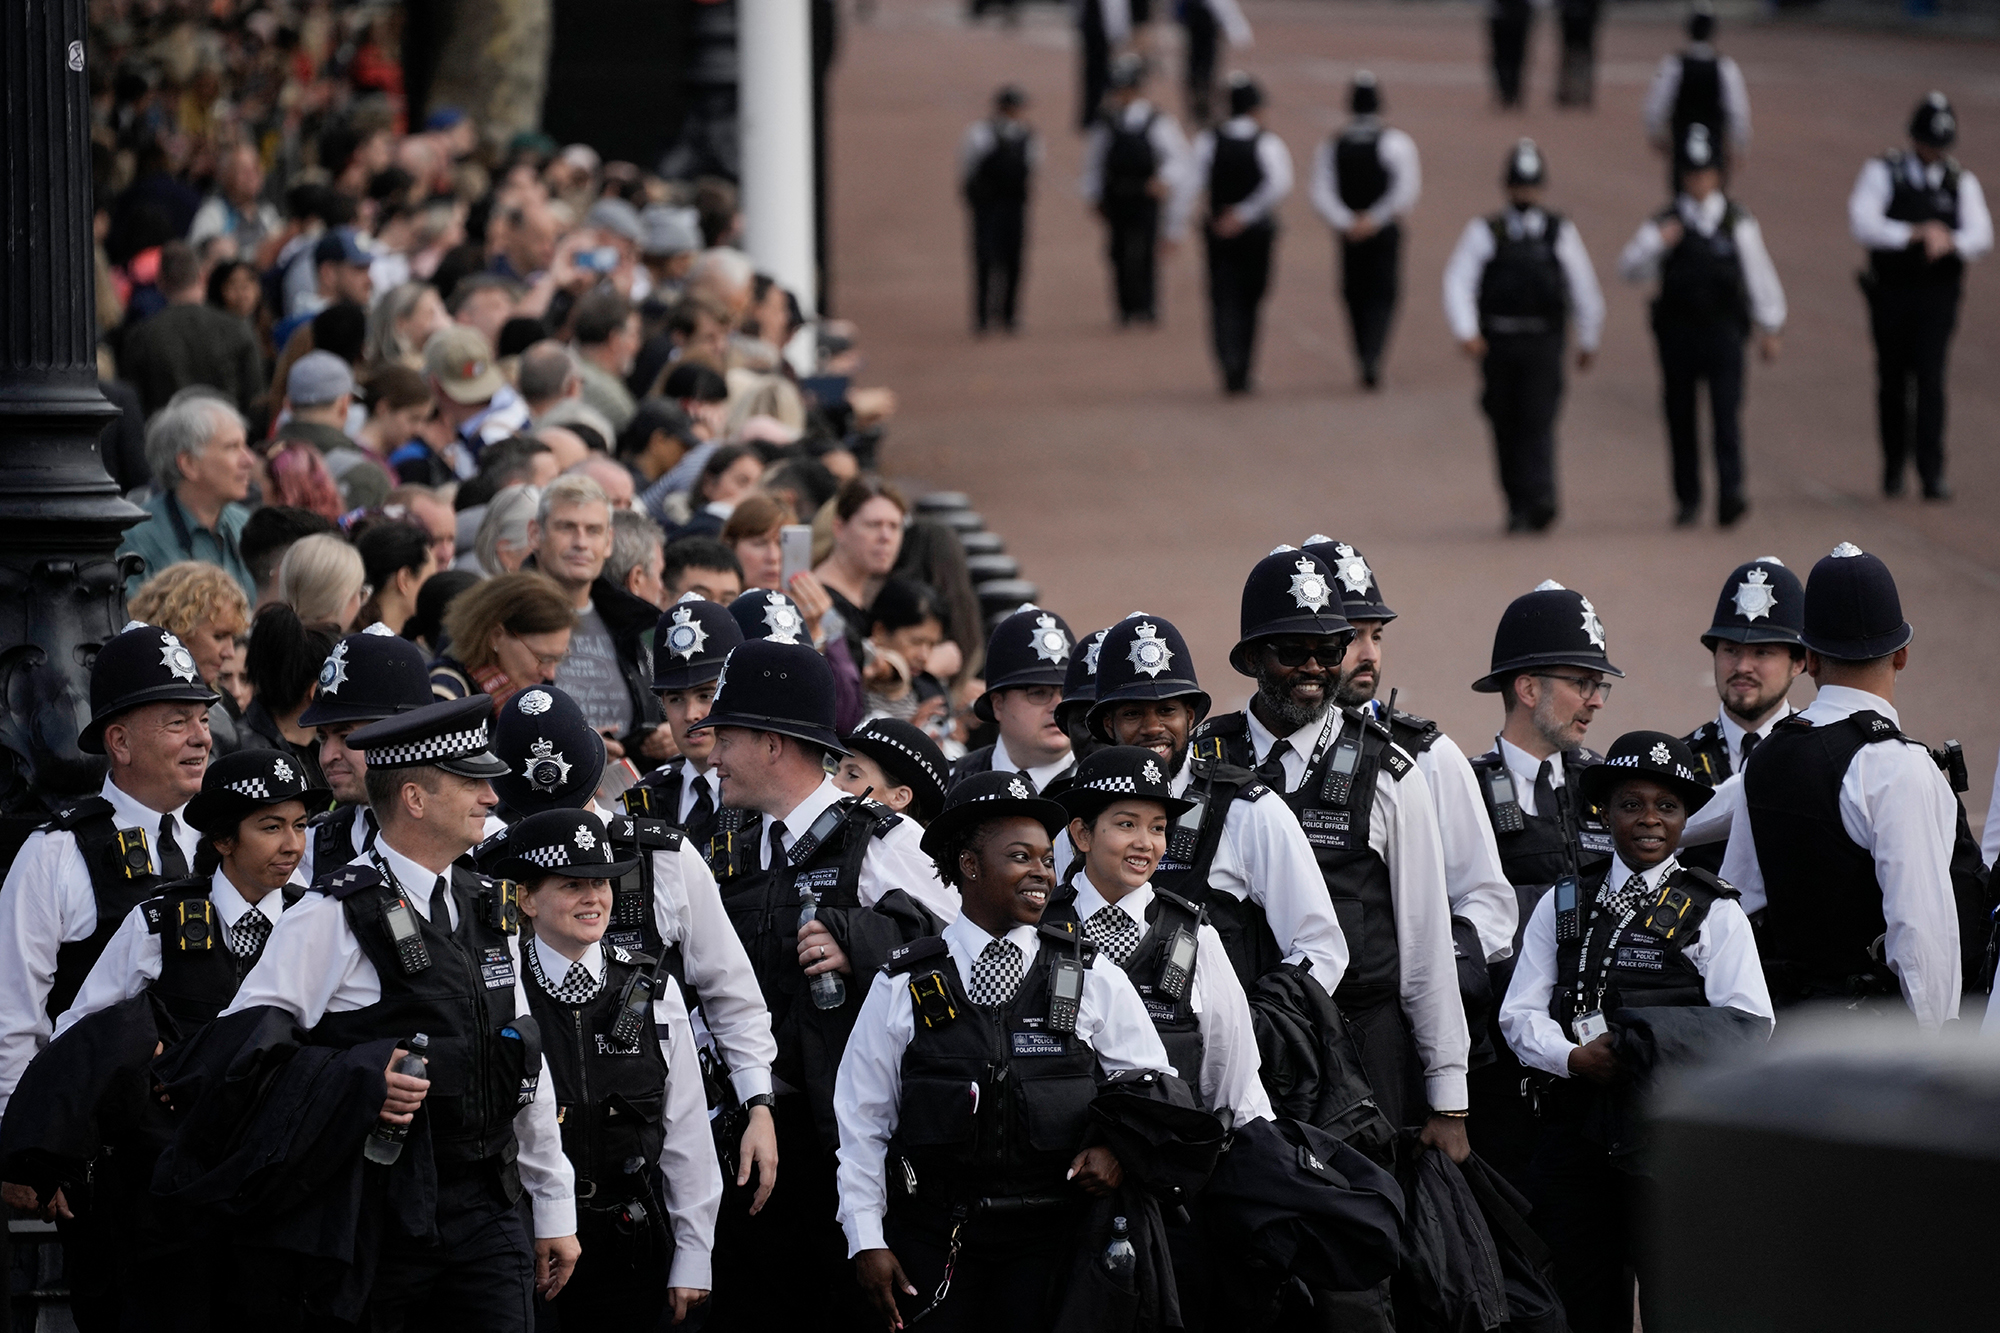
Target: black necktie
1545,792
440,913
704,805
173,861
1272,771
777,844
1750,739
368,819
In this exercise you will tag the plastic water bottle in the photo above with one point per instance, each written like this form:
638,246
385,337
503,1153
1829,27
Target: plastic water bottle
828,990
385,1143
1120,1260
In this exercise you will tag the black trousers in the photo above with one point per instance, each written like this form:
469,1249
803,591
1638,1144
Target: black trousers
1009,1268
1203,37
1134,250
999,230
1576,81
1095,53
1912,324
478,1275
1690,356
1590,1213
1524,386
1369,280
765,1265
1508,30
1239,273
621,1280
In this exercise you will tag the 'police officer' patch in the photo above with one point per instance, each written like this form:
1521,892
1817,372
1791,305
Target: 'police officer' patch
497,968
1640,958
1332,829
1037,1043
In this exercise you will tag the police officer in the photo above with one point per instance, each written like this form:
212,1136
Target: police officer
1754,644
621,1053
368,676
1138,176
1247,172
1922,217
1698,87
788,837
996,163
1079,693
384,947
1845,836
1204,23
1365,179
1027,659
1102,27
1639,932
764,613
962,1156
1715,283
543,738
1508,23
1576,76
1480,895
1374,836
1511,288
900,765
689,646
1549,668
1240,853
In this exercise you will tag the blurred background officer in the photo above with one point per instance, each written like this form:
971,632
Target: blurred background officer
1247,172
996,164
1921,216
1103,26
1027,659
1576,75
1204,22
1716,281
1508,23
1850,831
370,676
1510,288
1138,175
1698,87
1364,180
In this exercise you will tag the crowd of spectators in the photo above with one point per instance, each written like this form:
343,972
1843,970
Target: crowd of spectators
509,401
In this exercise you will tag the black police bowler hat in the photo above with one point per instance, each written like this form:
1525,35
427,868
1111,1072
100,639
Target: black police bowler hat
1029,647
1364,98
1353,578
1288,592
764,614
690,641
551,842
1652,755
909,757
771,685
554,758
1933,123
1080,681
1144,657
451,735
1117,772
238,784
985,796
1852,609
1761,602
1525,165
1245,94
142,664
1550,626
370,676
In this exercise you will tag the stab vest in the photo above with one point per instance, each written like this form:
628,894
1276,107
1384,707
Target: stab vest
611,1097
333,837
1550,844
1175,1020
634,926
1035,1086
1698,101
1913,204
658,796
1358,172
1002,175
199,974
485,1058
1641,965
1523,288
115,884
1191,847
1234,174
1711,757
1701,278
1129,161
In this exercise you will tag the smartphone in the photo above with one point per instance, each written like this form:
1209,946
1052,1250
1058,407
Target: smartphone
795,544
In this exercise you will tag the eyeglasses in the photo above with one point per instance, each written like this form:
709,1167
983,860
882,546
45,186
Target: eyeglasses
1290,653
546,661
1586,689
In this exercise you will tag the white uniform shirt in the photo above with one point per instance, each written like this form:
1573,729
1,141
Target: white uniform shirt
1640,263
131,962
693,1181
1397,152
1723,951
687,910
979,140
1475,248
1989,843
868,1093
1229,1059
1868,207
47,902
1897,806
1403,831
895,861
1272,156
1666,86
313,966
361,835
1174,163
1041,776
1711,823
1522,768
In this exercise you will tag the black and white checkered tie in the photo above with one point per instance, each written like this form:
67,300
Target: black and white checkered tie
996,974
247,936
577,987
1114,932
1620,901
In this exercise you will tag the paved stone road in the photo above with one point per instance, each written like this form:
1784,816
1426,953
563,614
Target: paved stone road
1122,479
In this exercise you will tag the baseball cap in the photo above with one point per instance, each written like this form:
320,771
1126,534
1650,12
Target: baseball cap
344,245
614,215
462,364
318,378
668,231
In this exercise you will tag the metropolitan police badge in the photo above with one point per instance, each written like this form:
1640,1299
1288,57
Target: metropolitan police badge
1149,653
1755,596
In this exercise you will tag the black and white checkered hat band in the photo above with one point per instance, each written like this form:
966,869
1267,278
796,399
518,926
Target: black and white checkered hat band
908,753
1123,784
563,857
251,787
430,750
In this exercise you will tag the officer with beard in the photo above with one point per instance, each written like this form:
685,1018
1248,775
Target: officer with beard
1374,836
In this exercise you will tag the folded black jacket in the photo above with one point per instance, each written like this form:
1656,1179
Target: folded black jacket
1533,1305
1092,1300
1292,1201
1452,1280
84,1090
1310,1067
1650,1042
1164,1140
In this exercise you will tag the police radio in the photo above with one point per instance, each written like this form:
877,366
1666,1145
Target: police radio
633,1011
1951,762
1501,800
1177,973
1339,784
411,955
1065,994
194,929
133,857
1568,927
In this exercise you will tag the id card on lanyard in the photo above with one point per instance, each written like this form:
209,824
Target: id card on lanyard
1589,1022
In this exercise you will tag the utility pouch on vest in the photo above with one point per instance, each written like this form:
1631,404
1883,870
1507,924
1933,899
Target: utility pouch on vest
1065,994
1568,928
933,999
408,940
1177,969
638,803
1501,802
502,906
194,925
634,1010
133,858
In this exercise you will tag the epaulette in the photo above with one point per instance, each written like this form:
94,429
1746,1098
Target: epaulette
1875,727
1222,724
1426,730
657,834
155,910
1797,722
885,819
1369,722
1198,912
1706,731
1397,761
630,957
1252,791
70,816
1067,934
1699,881
347,880
908,957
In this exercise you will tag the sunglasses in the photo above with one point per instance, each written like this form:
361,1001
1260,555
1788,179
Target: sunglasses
1296,652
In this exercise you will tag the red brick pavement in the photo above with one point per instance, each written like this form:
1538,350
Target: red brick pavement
1123,481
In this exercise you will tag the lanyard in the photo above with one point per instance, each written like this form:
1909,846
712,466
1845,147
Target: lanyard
1604,966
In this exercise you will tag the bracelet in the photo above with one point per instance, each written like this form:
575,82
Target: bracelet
1453,1115
765,1099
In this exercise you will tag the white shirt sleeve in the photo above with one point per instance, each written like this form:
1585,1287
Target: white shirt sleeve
687,1153
1739,862
1735,100
1538,1040
867,1104
310,957
1473,875
1276,161
978,142
1868,209
1586,301
897,860
687,908
1229,1058
1974,236
1095,145
1767,296
1263,843
546,1173
1894,802
1639,261
1324,189
1229,16
129,964
1428,965
1113,1020
1989,843
1177,169
1660,94
1725,953
1398,152
1461,279
1117,20
1712,823
46,903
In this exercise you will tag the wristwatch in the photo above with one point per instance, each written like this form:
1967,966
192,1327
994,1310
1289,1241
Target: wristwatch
763,1099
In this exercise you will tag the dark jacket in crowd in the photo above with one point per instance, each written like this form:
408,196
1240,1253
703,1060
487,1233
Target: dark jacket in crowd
1452,1280
1649,1042
86,1089
1525,1258
1310,1066
189,343
1092,1301
1290,1201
